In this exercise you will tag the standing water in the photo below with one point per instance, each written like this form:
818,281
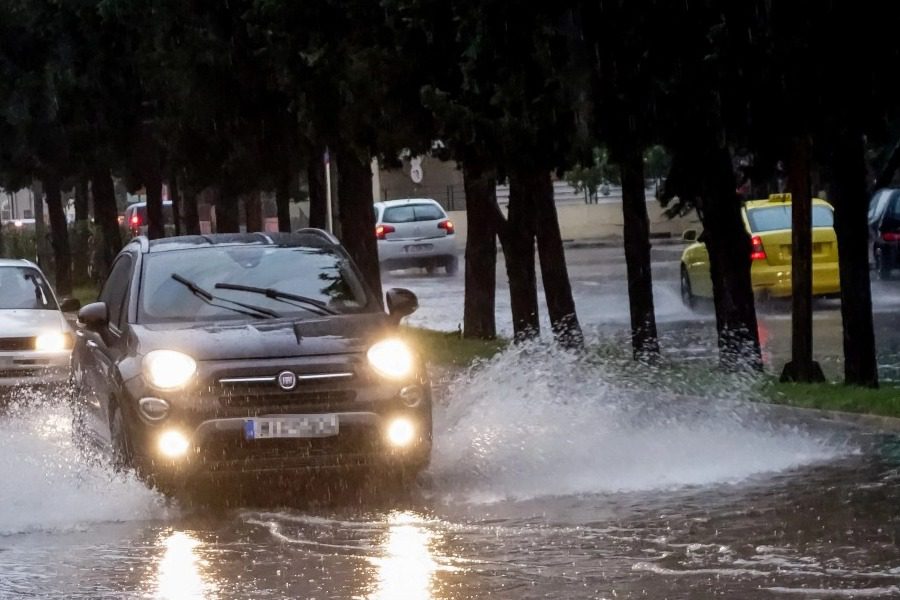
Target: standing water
552,477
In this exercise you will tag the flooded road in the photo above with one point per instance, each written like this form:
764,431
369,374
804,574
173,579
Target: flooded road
551,478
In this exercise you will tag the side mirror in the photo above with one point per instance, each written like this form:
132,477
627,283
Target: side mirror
69,305
400,303
690,235
94,316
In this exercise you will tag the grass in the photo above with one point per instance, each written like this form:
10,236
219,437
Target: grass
85,293
448,348
884,401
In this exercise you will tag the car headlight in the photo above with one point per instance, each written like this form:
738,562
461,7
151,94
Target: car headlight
168,369
52,342
391,358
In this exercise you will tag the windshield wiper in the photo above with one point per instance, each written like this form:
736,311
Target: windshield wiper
278,295
210,299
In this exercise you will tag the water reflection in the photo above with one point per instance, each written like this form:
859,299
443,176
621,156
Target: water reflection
406,568
180,571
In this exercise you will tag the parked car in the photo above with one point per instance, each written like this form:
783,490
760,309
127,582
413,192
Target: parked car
884,231
35,338
247,354
769,224
136,218
415,232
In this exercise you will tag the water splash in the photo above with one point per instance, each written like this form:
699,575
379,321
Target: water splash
48,485
538,421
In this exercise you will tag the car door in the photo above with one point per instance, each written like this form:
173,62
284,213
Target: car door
103,349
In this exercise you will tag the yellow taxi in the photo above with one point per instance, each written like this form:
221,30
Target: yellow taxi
769,224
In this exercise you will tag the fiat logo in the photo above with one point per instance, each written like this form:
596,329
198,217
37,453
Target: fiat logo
287,380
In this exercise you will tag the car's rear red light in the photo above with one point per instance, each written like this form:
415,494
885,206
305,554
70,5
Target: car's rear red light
757,252
383,230
447,226
891,236
135,220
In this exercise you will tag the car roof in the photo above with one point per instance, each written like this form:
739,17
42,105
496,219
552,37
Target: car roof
307,238
17,262
403,201
780,199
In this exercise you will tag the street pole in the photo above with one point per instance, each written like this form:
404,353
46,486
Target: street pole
329,227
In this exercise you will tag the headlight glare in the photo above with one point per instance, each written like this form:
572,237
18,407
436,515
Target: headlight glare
392,358
51,342
173,444
168,369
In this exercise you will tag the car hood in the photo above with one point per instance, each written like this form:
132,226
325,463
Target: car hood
23,322
265,338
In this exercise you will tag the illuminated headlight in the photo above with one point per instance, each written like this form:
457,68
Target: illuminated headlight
173,444
168,369
391,358
51,342
401,432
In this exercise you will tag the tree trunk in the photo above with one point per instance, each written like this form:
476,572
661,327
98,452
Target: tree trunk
59,237
802,367
356,217
283,203
253,212
315,175
189,212
155,220
481,251
227,211
729,257
644,340
175,197
81,232
40,229
106,213
554,274
519,251
848,194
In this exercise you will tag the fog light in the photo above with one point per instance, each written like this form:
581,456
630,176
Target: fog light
400,432
412,395
155,409
173,444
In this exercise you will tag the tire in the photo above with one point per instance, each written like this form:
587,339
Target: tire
687,293
882,268
452,265
122,453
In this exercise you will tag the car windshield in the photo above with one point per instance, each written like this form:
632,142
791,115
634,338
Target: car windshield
319,274
773,218
409,213
25,288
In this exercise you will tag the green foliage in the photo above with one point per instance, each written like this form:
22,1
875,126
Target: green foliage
449,348
590,179
16,243
883,401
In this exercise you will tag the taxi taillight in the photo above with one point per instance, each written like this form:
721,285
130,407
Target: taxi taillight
757,252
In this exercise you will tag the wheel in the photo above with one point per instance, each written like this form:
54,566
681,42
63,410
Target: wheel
452,265
687,294
122,454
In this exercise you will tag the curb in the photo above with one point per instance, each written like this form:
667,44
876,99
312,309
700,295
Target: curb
617,243
877,423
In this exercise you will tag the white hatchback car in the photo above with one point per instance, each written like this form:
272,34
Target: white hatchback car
415,232
35,338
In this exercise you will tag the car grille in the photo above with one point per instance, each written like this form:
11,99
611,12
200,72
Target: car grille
16,343
306,399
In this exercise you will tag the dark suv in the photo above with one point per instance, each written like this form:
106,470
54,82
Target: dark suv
884,231
243,353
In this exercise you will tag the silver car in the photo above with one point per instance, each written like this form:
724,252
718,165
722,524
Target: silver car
35,338
415,232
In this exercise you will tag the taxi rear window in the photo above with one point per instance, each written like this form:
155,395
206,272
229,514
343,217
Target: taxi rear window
773,218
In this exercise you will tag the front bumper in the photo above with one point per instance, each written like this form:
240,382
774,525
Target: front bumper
212,416
34,368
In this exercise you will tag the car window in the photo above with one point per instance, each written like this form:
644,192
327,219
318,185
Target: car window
115,290
25,288
773,218
876,206
428,212
399,214
316,273
409,213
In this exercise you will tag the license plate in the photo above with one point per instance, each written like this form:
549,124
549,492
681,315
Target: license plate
414,248
291,426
